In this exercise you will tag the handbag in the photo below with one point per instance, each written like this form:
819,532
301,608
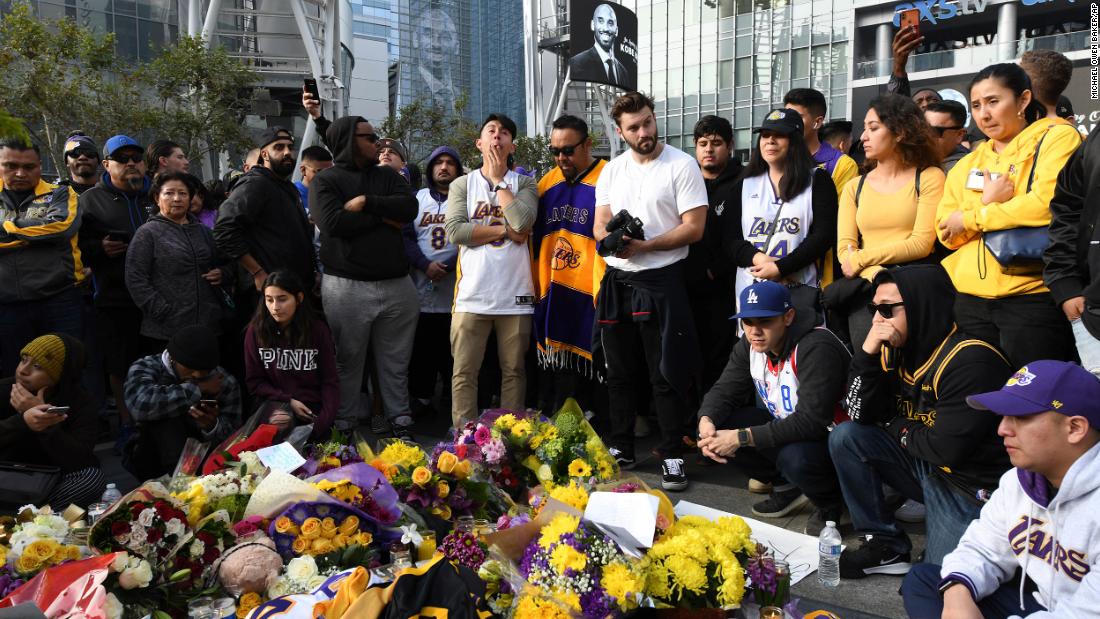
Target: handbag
26,484
1019,251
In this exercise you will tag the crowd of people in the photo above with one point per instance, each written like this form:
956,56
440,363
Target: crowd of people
853,325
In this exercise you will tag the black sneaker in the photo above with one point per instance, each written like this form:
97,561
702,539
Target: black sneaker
403,431
672,475
780,503
873,557
379,425
819,517
626,462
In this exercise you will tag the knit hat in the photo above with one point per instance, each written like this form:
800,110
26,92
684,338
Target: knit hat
395,145
195,347
48,351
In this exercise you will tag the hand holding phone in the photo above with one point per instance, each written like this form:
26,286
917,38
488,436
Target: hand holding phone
58,410
910,18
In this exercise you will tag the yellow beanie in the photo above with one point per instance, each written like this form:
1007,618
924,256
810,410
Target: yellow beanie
48,351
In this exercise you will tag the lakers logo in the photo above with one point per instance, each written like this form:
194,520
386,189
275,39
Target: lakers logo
1021,378
565,256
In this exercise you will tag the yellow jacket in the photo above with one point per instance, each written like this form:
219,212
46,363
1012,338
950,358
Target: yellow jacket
972,267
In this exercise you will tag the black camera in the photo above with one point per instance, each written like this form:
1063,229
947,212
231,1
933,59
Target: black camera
622,224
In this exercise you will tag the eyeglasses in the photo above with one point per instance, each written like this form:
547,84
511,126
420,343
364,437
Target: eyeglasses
370,137
568,150
886,310
940,130
135,158
76,153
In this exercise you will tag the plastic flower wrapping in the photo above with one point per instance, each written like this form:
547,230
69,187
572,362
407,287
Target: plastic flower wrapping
556,451
317,529
362,487
339,451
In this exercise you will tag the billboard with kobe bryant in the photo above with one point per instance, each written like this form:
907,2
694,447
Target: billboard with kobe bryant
603,43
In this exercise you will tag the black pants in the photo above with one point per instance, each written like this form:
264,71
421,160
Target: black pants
805,464
431,355
712,308
634,348
1027,327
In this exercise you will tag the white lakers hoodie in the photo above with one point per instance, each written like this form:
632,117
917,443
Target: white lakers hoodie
1056,540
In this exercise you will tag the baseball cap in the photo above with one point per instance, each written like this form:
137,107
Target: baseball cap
1043,386
763,300
272,134
781,120
1064,109
395,145
80,141
119,142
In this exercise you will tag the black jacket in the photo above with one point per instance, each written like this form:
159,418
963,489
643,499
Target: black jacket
1073,256
365,245
107,210
919,393
821,363
264,217
706,254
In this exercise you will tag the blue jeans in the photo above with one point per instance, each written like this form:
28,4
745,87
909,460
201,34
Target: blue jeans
1088,347
23,321
866,457
921,592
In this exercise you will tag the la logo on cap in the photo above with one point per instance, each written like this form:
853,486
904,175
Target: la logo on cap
752,297
775,115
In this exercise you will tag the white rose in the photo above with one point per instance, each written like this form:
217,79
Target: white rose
301,569
145,518
138,537
174,527
112,607
197,548
119,564
136,577
278,589
316,582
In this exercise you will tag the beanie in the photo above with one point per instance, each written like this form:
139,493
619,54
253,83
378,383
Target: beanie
395,145
195,347
48,351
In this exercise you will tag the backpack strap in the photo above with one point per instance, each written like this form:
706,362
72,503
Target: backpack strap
859,188
1035,161
916,183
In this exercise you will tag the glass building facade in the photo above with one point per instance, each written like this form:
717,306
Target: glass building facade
737,58
141,27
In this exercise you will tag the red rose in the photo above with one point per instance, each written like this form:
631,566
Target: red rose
120,529
207,539
211,554
460,451
136,509
153,535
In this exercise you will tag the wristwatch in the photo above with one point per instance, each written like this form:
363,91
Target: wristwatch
500,185
743,437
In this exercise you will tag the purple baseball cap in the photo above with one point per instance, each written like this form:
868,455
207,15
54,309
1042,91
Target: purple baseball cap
1043,386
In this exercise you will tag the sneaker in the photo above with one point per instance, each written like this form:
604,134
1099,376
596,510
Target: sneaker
672,474
625,462
759,487
380,425
780,503
910,511
403,427
641,427
819,517
873,557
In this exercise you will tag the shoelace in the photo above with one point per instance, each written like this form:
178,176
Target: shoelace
674,466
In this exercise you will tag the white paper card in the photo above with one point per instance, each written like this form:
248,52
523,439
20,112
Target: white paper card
282,457
797,549
628,518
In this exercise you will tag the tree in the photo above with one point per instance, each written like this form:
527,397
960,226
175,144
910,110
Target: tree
57,76
421,126
533,153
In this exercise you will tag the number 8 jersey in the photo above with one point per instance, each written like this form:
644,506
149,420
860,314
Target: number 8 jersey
431,238
760,207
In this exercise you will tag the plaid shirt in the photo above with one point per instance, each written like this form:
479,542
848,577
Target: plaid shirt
154,392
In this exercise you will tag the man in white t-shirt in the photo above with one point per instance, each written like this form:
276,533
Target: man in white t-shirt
644,321
489,216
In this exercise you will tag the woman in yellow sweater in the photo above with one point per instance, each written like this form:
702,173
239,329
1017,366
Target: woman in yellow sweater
1006,183
887,216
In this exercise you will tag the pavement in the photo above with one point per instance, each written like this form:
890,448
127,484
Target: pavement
721,487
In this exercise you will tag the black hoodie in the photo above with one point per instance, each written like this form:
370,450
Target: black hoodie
919,393
821,365
707,253
364,245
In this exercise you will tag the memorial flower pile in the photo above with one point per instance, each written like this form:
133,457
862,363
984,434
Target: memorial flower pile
699,563
148,523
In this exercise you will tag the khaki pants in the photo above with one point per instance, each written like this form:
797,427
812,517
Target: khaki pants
469,332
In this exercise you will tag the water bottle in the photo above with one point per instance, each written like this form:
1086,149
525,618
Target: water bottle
828,550
111,495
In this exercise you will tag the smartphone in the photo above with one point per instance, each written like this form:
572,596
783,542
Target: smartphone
208,403
58,410
311,88
911,17
121,237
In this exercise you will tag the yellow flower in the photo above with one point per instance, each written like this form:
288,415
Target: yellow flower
579,468
400,453
27,563
321,546
522,429
72,553
558,526
570,599
446,462
311,528
621,583
350,525
536,440
573,495
341,541
249,600
421,475
331,461
462,469
443,489
687,573
284,524
733,584
3,554
42,550
606,469
364,538
300,545
566,557
443,511
656,582
505,421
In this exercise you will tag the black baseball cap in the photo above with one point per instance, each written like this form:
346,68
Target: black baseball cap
781,120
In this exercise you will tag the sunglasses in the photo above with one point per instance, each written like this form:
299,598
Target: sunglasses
370,137
135,158
940,130
76,153
567,150
886,310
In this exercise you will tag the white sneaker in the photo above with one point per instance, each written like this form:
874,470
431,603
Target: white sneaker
910,511
672,475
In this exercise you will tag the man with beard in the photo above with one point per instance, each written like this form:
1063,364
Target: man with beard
598,63
111,212
436,40
642,311
370,301
82,160
433,258
262,224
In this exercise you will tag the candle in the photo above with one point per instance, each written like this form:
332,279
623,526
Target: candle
427,546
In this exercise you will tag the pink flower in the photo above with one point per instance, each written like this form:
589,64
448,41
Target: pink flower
494,451
482,435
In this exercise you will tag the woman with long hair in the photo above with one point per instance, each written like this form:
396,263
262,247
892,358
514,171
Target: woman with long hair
996,199
788,205
46,418
290,359
887,216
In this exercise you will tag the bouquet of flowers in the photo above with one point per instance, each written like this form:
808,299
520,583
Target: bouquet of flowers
582,568
147,522
309,528
227,491
559,450
699,563
301,575
572,494
362,487
485,443
464,548
38,543
200,552
338,451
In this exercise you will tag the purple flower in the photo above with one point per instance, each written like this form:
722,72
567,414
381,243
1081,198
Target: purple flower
596,604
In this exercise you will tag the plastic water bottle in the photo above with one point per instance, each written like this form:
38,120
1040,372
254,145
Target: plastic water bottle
111,495
828,550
